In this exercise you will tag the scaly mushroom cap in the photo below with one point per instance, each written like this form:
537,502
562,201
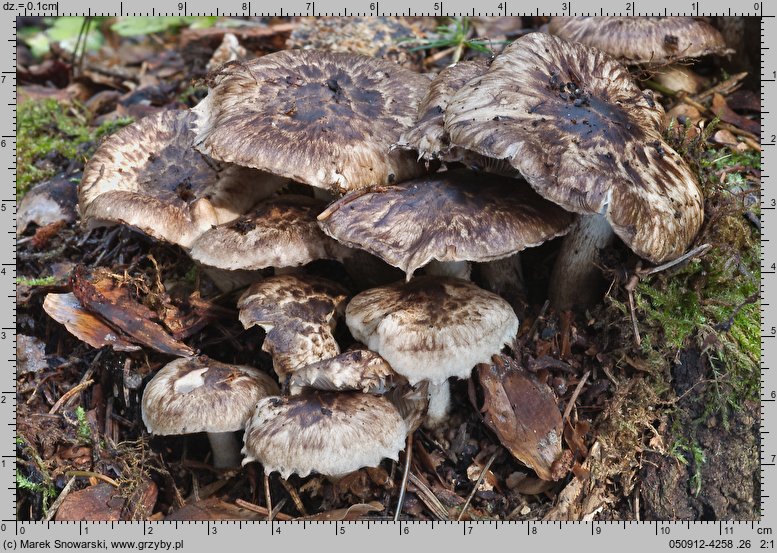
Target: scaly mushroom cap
642,39
149,176
279,232
428,136
358,369
320,118
571,120
297,313
432,328
449,216
198,394
328,433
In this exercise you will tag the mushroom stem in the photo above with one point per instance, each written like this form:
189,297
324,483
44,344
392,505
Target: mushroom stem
439,403
576,280
226,450
454,269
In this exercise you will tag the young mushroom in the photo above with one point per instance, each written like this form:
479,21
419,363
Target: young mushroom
298,313
575,125
320,118
149,176
431,329
202,395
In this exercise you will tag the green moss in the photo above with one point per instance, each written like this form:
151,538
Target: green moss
42,281
51,133
712,302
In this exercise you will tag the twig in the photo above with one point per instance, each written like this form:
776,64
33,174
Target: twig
576,393
725,87
405,475
477,485
90,474
75,390
697,251
529,335
294,497
58,501
427,496
267,496
728,323
260,510
630,287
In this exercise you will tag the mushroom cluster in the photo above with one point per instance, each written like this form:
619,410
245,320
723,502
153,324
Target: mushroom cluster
305,155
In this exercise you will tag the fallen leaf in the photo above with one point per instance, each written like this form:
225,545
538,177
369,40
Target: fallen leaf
101,295
30,354
721,109
523,413
52,201
67,310
354,512
105,502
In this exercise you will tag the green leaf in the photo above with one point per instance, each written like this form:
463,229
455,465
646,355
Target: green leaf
65,31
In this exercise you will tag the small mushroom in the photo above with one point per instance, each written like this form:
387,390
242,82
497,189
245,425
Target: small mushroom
432,328
298,313
202,395
585,137
148,176
449,217
329,433
280,232
320,118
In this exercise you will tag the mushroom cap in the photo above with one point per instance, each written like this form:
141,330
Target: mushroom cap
357,369
449,216
279,232
323,119
571,120
297,313
198,394
148,175
377,37
642,40
329,433
432,328
427,136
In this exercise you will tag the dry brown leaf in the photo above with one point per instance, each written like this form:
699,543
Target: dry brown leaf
100,294
523,413
67,310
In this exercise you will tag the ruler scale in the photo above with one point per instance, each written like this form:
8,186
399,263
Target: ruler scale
376,535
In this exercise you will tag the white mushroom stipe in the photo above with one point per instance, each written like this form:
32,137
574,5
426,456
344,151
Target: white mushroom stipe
439,404
226,449
452,269
576,279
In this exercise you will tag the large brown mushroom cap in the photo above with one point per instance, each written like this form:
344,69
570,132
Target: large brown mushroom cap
428,136
149,176
298,315
449,216
329,433
432,328
571,120
320,118
279,232
198,394
642,39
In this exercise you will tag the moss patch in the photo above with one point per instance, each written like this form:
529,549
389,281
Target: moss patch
50,135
